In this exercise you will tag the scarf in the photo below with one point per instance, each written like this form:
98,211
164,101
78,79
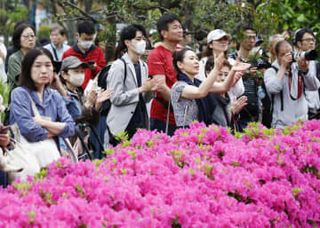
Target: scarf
298,86
202,103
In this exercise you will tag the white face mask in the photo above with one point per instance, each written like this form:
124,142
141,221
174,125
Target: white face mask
86,44
76,79
140,47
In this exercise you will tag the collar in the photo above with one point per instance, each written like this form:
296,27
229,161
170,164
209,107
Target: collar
276,64
46,96
127,59
55,47
183,77
77,49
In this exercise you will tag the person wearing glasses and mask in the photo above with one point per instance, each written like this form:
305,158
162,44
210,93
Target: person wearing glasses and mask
86,51
23,40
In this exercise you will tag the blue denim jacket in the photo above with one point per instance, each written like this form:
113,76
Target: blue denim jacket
73,105
53,106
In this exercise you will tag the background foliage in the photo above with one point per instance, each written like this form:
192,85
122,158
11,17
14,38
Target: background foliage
198,17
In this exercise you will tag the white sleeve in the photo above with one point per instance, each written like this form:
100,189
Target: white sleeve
202,72
237,90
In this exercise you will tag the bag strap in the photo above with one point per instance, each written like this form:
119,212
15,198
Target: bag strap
125,70
72,152
272,95
33,105
168,116
163,103
34,108
54,52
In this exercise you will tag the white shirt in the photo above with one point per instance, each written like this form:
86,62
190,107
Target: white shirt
59,51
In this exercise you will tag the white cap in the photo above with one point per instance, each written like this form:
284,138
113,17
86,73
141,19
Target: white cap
217,34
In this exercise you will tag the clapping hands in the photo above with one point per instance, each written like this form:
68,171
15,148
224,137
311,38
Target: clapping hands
153,84
238,104
96,98
103,95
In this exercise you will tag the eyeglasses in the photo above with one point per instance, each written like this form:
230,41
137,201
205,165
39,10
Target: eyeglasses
251,37
309,40
26,37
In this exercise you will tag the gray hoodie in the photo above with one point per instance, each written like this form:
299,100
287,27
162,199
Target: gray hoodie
293,110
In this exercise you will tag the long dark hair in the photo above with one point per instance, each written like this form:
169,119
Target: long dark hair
25,78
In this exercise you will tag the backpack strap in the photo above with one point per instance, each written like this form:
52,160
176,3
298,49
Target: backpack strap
281,93
125,70
275,68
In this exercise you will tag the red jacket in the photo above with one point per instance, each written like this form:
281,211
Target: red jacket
94,54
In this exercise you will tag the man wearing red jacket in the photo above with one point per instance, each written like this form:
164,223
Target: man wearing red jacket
86,51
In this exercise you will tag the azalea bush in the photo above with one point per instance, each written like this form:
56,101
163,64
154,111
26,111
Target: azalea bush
200,177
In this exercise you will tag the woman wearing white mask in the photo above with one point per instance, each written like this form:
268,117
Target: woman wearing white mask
73,75
128,79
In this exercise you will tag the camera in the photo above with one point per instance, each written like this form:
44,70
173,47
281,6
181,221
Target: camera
306,55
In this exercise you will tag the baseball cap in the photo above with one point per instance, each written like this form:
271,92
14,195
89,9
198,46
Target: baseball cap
72,62
216,35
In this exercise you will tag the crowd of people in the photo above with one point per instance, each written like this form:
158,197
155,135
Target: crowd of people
169,89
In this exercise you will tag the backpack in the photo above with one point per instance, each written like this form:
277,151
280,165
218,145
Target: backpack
267,103
102,82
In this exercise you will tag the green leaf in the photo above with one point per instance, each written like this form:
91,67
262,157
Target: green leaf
301,18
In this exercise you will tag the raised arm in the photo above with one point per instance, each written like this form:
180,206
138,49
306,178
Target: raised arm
193,92
236,72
